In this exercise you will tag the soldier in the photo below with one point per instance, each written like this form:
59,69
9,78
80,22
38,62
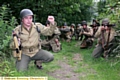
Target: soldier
95,25
52,42
72,30
88,33
29,38
65,33
107,35
77,31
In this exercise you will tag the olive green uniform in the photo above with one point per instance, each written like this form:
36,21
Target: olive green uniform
31,44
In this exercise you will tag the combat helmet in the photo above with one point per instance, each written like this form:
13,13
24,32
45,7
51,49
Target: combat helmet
105,21
78,24
84,23
95,23
25,12
73,24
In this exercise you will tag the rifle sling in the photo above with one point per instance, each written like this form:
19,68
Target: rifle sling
108,38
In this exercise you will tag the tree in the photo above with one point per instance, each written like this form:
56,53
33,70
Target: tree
71,11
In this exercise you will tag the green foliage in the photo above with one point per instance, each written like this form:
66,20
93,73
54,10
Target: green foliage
7,23
5,69
70,11
111,9
83,64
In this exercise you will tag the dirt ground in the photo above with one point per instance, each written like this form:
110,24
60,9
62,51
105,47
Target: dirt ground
66,72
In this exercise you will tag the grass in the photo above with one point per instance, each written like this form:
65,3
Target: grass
88,68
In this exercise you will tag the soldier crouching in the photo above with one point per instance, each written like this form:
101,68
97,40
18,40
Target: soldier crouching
29,37
65,33
87,32
52,42
107,39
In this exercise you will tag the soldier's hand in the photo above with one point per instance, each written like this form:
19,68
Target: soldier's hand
102,28
14,34
51,19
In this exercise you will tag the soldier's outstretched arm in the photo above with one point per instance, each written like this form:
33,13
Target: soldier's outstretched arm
48,31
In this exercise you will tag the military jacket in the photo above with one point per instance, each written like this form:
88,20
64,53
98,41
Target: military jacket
98,34
31,39
88,31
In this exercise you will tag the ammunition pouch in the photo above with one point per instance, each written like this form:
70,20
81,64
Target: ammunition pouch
30,49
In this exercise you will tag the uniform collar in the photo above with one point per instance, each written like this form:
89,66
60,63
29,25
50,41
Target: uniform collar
30,28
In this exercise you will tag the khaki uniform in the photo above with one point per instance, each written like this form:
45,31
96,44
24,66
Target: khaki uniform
77,31
66,33
112,34
52,42
97,52
88,40
31,44
72,30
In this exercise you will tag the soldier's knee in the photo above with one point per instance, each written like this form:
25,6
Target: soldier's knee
50,58
22,67
95,55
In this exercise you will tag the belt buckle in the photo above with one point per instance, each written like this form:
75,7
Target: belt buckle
30,49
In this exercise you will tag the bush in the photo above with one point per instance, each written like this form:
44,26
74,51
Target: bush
7,23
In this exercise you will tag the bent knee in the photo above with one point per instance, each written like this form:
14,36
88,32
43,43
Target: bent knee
51,58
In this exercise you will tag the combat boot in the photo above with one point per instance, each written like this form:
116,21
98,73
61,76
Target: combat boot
38,64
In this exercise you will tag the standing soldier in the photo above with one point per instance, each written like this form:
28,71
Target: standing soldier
107,36
28,34
88,33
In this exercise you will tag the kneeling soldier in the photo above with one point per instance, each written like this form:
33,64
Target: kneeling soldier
88,33
107,37
29,37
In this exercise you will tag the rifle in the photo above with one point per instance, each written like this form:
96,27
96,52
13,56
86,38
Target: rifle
106,45
81,33
17,47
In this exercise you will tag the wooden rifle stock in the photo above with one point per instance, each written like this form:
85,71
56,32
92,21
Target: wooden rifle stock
106,46
103,38
17,47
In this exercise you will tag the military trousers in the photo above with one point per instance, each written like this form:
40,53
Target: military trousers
42,55
97,52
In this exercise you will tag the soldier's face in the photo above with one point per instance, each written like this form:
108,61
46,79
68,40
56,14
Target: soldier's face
27,21
105,28
84,26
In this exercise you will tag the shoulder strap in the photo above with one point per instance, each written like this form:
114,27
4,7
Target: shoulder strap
38,30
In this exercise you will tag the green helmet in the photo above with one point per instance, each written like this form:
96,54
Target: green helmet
105,21
25,12
73,24
78,24
84,23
